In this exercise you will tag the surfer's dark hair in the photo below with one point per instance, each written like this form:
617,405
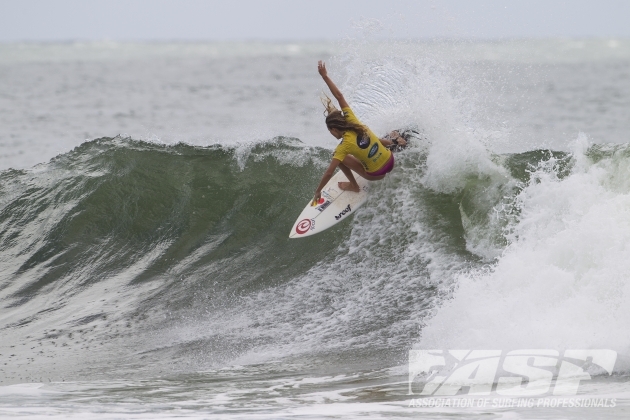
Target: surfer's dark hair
335,119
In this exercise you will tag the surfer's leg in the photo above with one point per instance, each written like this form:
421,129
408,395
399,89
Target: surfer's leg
348,186
353,163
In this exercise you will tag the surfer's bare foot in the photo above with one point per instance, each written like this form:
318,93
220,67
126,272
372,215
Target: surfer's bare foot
394,140
397,138
348,186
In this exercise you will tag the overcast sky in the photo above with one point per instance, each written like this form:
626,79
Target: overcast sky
52,20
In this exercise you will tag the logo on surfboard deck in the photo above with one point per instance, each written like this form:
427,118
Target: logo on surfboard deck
373,150
318,202
343,212
323,206
304,226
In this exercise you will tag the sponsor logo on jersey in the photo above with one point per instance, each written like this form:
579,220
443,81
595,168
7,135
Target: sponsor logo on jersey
343,212
363,142
373,150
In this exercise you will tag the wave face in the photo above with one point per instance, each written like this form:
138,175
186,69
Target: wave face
116,204
131,256
183,249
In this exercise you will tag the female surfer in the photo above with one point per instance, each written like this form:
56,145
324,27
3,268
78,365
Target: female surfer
359,150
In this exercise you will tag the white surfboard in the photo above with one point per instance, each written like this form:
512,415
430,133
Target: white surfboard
335,206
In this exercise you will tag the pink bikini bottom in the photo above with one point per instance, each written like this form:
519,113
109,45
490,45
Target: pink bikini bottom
389,165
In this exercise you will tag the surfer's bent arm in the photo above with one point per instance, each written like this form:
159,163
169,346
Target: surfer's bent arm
326,177
321,67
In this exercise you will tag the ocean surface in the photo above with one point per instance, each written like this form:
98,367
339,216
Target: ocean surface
147,191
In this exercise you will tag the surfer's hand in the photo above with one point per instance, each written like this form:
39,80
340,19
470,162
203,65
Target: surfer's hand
321,68
318,195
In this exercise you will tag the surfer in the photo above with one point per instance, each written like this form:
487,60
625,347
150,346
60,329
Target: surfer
359,150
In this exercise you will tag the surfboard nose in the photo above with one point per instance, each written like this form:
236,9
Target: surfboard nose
333,207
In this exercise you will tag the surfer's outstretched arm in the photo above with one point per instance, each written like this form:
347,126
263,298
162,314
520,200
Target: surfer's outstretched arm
321,67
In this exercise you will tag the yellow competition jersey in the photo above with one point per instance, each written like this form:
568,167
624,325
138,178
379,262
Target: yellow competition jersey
369,149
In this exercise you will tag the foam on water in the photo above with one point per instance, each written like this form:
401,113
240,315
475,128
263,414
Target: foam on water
562,281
